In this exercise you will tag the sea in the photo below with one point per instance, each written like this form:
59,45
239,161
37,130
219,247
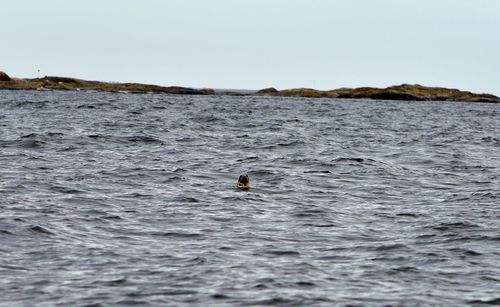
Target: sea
120,199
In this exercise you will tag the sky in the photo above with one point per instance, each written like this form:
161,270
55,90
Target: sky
254,44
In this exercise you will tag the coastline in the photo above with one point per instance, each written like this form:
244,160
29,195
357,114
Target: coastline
404,92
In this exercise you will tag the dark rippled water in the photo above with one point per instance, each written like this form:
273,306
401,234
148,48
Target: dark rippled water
123,199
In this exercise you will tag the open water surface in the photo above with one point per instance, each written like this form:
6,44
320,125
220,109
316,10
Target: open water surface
127,199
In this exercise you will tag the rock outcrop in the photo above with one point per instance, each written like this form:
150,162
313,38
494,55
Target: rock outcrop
4,76
408,92
269,90
67,84
413,92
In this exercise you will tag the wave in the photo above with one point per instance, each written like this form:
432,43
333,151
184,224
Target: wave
134,139
41,230
179,235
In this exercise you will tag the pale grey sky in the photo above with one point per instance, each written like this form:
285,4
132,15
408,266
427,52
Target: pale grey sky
253,44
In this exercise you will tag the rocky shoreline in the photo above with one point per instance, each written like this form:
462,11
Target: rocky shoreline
408,92
72,84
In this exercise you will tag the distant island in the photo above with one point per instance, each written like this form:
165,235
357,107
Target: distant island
399,92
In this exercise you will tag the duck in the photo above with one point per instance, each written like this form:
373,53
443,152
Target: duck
243,182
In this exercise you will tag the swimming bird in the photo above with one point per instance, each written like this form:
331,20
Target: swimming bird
243,182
